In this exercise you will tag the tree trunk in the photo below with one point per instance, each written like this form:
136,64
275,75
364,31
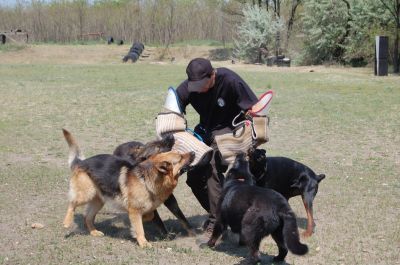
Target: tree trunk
295,4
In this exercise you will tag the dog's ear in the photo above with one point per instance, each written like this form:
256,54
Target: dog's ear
301,182
319,177
164,167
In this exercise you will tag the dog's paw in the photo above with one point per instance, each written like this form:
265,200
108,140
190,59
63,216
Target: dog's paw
96,233
278,259
306,234
145,244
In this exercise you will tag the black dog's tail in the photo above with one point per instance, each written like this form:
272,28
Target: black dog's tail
75,154
291,234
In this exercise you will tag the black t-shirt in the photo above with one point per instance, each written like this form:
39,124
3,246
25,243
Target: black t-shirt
219,105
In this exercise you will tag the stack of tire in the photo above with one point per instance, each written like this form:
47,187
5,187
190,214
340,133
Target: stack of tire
134,52
2,39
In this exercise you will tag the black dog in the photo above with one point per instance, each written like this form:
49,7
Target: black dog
288,177
135,152
255,212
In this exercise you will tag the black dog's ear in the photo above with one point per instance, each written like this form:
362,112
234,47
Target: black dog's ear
301,182
164,167
319,177
264,152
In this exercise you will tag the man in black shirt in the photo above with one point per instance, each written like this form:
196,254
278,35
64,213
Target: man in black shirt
218,95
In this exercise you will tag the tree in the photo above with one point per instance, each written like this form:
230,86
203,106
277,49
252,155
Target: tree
257,31
326,25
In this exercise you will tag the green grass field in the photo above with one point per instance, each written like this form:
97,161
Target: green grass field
341,122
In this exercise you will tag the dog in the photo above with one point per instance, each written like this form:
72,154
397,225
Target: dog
135,152
139,189
255,212
288,177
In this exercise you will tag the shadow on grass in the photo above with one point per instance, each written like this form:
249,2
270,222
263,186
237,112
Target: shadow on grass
233,249
117,225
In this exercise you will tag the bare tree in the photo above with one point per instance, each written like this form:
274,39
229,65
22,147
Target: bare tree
294,5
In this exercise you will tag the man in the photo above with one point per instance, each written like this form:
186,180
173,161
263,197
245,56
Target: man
218,95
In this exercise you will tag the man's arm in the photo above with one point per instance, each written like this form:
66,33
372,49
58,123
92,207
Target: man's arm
183,95
245,96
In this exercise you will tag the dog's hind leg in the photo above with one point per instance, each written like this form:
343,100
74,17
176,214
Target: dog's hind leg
252,232
280,242
92,209
81,191
308,205
69,217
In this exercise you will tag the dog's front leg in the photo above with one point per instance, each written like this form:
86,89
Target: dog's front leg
159,223
173,207
135,217
307,201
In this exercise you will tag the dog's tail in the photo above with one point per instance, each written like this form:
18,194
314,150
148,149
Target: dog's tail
291,234
75,153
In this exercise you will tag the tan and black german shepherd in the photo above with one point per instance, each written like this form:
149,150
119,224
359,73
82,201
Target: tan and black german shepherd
138,188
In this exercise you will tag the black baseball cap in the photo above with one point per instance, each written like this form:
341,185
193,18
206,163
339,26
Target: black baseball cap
199,71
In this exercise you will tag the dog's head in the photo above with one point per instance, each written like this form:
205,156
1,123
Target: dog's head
172,163
308,181
142,153
240,170
257,161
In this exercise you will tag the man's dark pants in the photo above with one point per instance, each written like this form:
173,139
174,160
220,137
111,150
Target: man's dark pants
206,181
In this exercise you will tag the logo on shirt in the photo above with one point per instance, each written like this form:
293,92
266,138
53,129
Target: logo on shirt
221,102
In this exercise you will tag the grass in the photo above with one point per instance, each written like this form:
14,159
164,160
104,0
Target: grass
341,122
8,47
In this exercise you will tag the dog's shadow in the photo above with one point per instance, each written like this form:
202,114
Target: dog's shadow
231,247
117,225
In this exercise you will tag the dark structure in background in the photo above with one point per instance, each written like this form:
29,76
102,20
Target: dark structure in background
110,40
134,52
381,55
279,60
120,42
13,36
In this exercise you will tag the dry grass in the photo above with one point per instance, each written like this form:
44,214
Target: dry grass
340,121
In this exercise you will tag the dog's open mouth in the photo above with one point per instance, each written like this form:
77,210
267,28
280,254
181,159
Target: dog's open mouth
187,165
